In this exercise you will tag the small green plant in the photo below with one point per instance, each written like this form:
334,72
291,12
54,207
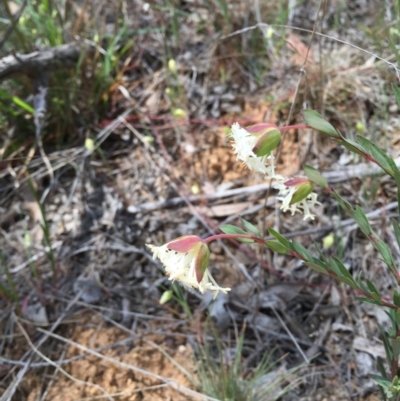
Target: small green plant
186,258
73,93
8,289
226,378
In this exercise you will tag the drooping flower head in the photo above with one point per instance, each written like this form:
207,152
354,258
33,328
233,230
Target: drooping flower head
297,196
185,259
254,146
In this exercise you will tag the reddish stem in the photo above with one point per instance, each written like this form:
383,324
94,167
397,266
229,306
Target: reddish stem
233,236
297,126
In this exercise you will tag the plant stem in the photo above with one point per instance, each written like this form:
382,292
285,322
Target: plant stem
233,236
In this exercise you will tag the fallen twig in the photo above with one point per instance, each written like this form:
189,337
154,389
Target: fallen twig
60,56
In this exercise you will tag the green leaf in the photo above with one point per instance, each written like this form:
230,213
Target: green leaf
396,228
230,229
344,273
396,91
396,298
381,368
279,237
368,301
267,142
381,157
372,288
251,229
362,221
316,267
322,257
349,282
277,247
396,176
316,121
384,250
362,286
315,176
23,105
346,206
382,381
301,250
392,316
386,344
353,147
397,316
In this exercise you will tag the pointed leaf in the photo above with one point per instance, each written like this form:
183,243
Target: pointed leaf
277,247
372,288
279,237
345,273
316,267
362,221
384,250
396,176
396,298
382,381
376,153
396,91
23,105
396,228
386,344
315,176
350,283
316,121
381,368
346,206
353,147
368,301
230,229
251,229
301,250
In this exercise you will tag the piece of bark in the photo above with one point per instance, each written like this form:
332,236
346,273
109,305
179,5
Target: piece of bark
60,56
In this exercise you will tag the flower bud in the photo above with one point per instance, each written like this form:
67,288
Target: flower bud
165,297
172,66
267,142
89,144
303,188
179,113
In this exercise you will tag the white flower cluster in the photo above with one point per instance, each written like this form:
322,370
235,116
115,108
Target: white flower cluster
243,144
181,266
286,194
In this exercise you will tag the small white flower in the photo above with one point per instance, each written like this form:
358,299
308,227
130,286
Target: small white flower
303,206
183,259
243,144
